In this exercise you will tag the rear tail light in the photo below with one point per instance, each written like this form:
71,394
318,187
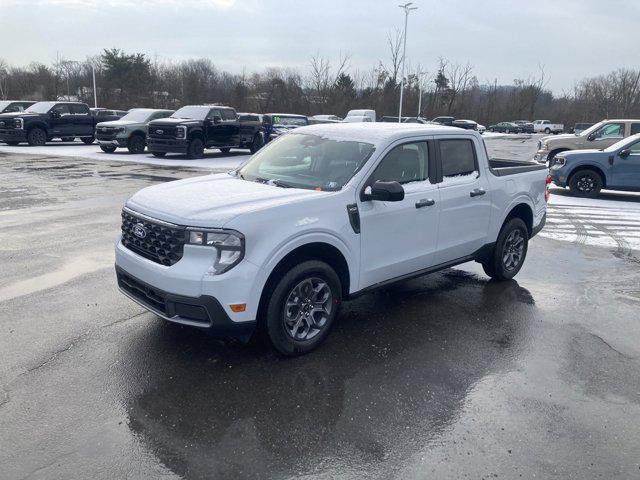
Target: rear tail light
546,189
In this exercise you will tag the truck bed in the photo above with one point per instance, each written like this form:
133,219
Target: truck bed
502,167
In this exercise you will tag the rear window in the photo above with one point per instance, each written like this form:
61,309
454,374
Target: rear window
228,114
79,109
635,128
458,157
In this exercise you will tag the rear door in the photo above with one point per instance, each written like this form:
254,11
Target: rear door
625,171
465,199
399,238
83,121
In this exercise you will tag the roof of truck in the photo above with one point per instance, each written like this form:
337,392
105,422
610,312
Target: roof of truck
379,133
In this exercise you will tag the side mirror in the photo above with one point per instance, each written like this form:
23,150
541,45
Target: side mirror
216,119
385,191
55,114
624,153
591,137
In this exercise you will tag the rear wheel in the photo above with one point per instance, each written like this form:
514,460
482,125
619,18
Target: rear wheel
108,148
225,150
509,251
37,137
302,307
585,183
256,144
87,140
158,154
136,144
195,148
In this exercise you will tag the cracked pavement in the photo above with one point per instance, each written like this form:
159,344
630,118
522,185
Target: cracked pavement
447,376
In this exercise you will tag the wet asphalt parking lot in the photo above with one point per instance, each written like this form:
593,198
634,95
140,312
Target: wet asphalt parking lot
447,376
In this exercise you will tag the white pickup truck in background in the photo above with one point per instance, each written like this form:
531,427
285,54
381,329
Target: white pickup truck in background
318,216
545,126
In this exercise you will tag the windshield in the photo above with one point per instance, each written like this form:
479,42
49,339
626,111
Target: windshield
625,142
40,107
138,115
195,113
3,105
588,131
296,121
307,161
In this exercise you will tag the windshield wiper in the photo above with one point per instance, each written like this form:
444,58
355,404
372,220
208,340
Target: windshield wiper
274,181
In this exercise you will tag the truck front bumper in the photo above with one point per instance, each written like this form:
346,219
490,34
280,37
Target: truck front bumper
187,293
167,145
12,135
541,156
114,142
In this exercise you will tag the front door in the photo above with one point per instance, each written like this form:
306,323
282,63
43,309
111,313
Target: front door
465,200
606,136
399,238
625,171
61,121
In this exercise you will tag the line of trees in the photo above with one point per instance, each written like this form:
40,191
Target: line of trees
324,86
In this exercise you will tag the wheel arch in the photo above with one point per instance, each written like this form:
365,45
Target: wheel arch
588,166
195,133
40,125
523,211
139,133
557,150
313,250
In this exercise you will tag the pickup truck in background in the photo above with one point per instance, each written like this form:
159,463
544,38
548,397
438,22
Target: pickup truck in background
599,136
43,121
107,115
130,131
9,106
193,128
319,216
545,126
586,172
276,124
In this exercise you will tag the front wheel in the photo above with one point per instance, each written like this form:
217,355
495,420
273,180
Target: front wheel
302,307
585,183
195,148
509,251
136,144
36,137
87,140
108,148
547,131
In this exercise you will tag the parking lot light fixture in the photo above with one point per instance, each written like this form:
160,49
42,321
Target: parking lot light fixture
407,10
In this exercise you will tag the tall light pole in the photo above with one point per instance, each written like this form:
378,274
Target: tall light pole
407,10
95,95
420,92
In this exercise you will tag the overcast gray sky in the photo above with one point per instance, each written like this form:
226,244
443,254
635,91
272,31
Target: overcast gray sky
502,39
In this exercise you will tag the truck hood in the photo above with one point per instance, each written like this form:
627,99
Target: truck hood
212,200
591,153
559,138
174,121
118,123
11,115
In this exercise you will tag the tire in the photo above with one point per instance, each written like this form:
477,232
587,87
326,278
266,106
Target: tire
507,131
87,140
136,144
287,301
68,139
158,154
225,150
107,148
256,144
509,251
585,183
195,148
36,137
12,144
547,131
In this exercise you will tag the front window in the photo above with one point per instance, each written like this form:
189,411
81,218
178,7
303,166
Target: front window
40,107
192,112
404,164
307,161
284,120
624,144
611,130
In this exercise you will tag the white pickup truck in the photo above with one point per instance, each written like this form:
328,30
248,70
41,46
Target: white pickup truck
319,216
545,126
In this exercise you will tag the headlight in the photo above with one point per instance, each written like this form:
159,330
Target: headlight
559,161
19,123
181,132
229,246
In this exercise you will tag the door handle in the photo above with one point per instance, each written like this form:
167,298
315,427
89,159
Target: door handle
476,192
425,202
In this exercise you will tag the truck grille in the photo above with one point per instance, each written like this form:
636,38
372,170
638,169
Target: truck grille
156,241
106,133
161,131
9,123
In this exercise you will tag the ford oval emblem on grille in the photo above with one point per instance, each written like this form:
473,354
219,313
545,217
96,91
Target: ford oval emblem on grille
1,124
159,132
139,230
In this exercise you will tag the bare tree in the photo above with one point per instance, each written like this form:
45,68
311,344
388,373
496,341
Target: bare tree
392,70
